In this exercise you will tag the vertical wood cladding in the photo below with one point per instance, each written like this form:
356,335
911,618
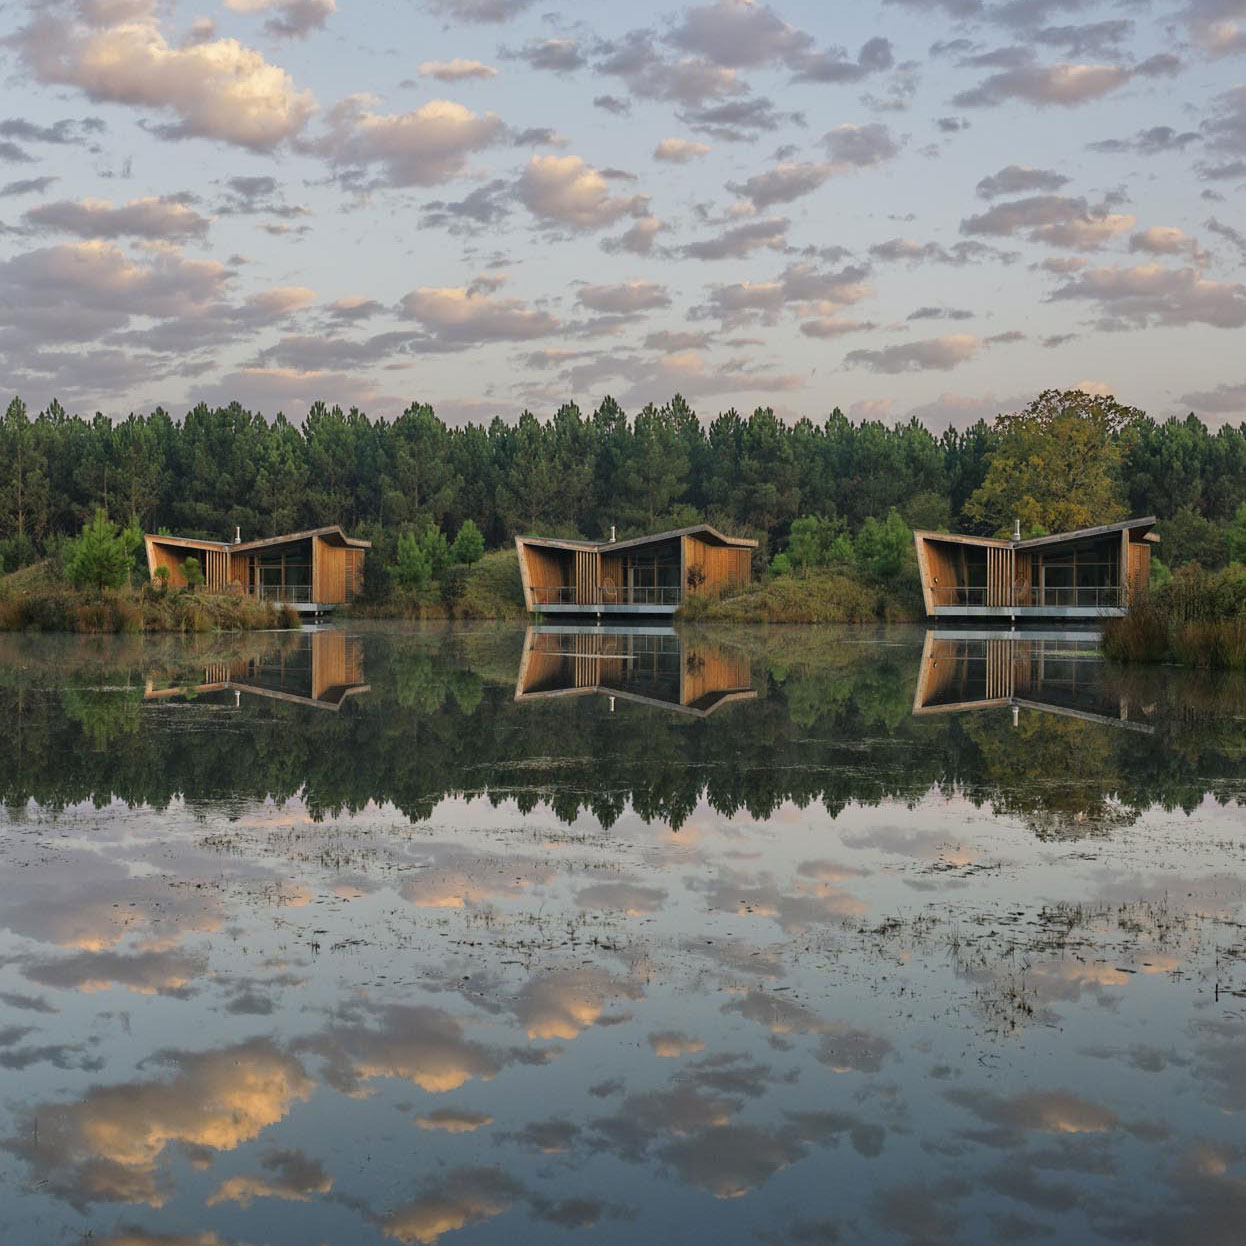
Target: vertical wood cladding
723,566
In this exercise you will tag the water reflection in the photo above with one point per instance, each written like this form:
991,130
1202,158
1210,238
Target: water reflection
461,962
316,668
652,666
1059,672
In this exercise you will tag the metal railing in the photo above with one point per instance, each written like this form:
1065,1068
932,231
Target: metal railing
292,593
1107,597
599,595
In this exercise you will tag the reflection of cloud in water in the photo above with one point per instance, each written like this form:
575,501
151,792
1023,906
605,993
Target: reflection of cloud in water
106,1145
422,1045
670,1044
465,1197
629,898
731,1160
87,902
793,911
145,973
1040,1111
451,1121
562,1004
139,1237
293,1178
453,877
844,1048
919,845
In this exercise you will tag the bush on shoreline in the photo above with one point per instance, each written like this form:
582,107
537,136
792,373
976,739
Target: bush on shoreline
1197,618
35,600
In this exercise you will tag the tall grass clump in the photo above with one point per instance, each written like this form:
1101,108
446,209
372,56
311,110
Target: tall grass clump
1198,618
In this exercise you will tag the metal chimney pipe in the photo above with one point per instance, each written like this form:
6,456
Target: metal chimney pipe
612,534
237,535
1016,529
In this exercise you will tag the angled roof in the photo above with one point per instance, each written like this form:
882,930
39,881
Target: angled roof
701,530
1056,538
332,533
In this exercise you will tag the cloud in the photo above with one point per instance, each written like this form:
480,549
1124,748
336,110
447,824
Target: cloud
1226,399
420,148
27,186
805,286
456,70
631,296
216,89
485,12
485,206
1153,294
566,190
558,56
861,146
671,1044
740,240
1231,235
1056,220
641,65
957,255
679,150
739,34
738,121
1151,142
170,219
1166,240
933,354
458,315
1218,25
65,131
291,19
639,239
835,66
782,184
1063,85
1226,128
1017,179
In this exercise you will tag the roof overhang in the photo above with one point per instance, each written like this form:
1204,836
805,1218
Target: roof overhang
701,531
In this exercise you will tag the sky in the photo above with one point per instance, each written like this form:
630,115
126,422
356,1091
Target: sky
936,208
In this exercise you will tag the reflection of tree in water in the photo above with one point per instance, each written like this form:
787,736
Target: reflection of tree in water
103,714
832,726
1058,774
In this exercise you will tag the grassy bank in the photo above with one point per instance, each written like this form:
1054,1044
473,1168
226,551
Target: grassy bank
823,596
488,589
1197,619
37,599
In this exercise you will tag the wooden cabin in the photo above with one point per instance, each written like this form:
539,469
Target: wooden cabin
1090,573
318,669
311,571
1058,673
646,575
650,666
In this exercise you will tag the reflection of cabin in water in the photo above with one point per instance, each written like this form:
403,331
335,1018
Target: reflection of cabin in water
647,575
320,669
1090,573
311,571
1057,673
653,666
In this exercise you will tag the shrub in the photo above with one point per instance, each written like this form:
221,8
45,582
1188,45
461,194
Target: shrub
469,544
100,557
193,573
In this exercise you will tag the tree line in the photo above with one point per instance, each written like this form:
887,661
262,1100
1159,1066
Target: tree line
579,474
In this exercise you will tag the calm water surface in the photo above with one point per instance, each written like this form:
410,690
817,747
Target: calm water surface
376,935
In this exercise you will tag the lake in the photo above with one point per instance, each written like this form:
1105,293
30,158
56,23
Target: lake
383,934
